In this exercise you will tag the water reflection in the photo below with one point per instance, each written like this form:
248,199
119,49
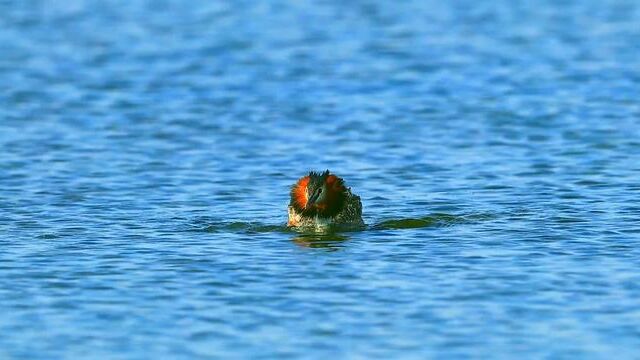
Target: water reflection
330,241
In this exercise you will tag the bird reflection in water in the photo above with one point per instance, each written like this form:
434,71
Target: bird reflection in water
331,242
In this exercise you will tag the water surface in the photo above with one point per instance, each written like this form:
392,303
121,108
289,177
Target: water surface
147,149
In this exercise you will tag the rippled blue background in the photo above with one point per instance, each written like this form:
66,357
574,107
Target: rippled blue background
147,147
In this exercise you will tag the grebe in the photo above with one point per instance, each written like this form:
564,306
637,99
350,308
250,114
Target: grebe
322,199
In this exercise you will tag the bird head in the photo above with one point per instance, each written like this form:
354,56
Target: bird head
321,194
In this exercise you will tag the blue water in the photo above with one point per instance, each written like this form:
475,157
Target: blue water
147,149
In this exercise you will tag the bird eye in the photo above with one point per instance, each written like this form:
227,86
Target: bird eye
320,191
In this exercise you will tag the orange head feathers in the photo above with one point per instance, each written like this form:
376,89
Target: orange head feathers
321,194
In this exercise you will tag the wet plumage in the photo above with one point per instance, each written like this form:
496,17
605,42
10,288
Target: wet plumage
321,199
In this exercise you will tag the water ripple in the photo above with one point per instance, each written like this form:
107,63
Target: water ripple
148,150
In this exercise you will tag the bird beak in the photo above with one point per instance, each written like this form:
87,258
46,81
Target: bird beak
311,201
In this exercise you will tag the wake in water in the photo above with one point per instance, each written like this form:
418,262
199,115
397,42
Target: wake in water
332,237
432,220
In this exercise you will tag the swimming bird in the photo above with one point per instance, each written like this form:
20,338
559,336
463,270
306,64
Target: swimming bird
322,199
